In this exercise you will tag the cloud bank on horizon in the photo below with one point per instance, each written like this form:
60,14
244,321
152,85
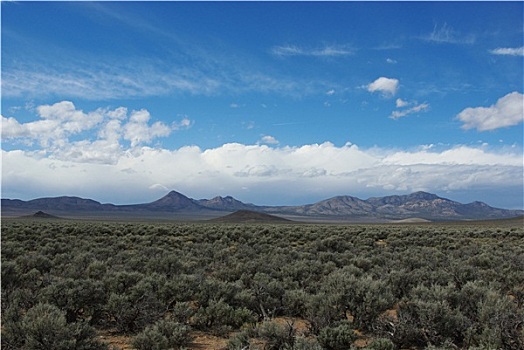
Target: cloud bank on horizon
150,101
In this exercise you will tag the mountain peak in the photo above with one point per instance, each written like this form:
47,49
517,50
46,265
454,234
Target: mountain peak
421,195
174,193
224,203
173,200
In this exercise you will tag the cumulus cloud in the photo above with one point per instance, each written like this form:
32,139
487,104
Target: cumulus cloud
507,111
415,109
256,173
386,86
111,152
269,140
510,51
138,131
62,122
57,122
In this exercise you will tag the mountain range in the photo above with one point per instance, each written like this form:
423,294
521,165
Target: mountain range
421,205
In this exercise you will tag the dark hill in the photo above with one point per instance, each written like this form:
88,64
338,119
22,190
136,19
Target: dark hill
248,216
173,201
41,215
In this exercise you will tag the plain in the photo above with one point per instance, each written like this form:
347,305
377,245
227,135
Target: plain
72,284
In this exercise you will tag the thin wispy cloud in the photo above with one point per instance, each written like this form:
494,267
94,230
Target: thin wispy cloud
131,78
445,34
326,51
508,51
388,46
103,81
423,107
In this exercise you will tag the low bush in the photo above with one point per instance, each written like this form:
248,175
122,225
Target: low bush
381,344
338,337
163,335
44,327
277,336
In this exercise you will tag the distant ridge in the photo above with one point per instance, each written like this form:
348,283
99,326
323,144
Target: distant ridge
422,205
248,216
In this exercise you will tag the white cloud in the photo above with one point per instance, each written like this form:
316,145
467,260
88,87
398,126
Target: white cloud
11,128
387,86
287,50
269,140
415,109
138,131
507,111
61,122
74,78
391,61
446,34
511,51
401,103
248,125
326,51
184,123
330,92
256,173
57,122
97,163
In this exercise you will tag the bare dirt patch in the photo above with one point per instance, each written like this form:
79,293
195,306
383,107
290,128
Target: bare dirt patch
201,340
115,340
207,341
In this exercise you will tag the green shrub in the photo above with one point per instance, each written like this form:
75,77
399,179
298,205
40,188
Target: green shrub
381,344
364,297
302,343
338,337
182,312
295,302
163,335
150,339
138,307
79,298
500,323
238,341
44,327
323,310
277,336
220,318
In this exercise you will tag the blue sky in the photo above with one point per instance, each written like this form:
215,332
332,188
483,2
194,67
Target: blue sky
271,102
